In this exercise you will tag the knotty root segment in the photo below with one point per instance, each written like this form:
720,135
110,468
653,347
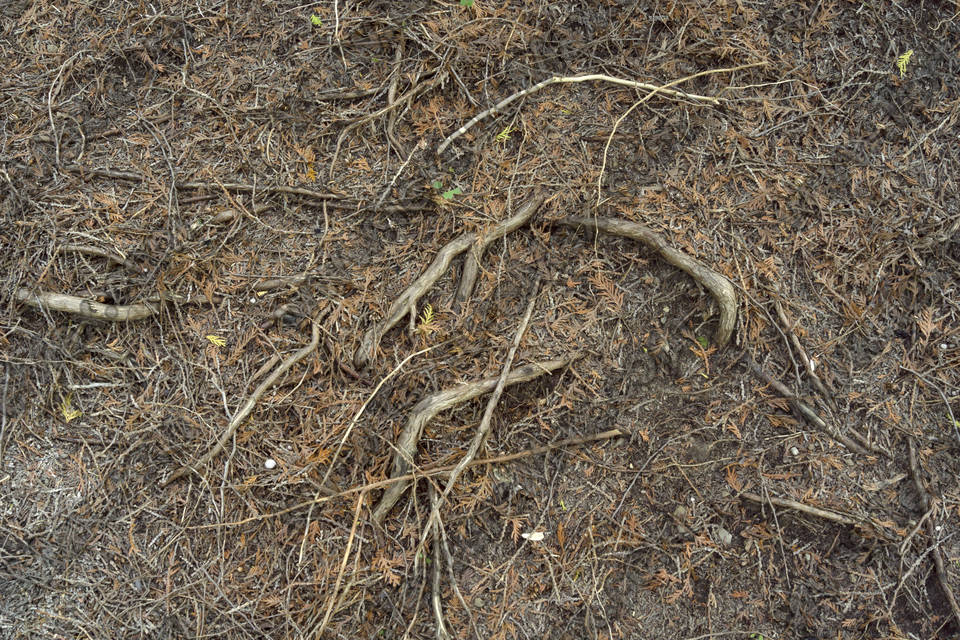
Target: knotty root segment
249,404
431,405
721,288
406,302
86,308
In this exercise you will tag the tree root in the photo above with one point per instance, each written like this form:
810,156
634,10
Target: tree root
721,288
431,405
86,308
406,302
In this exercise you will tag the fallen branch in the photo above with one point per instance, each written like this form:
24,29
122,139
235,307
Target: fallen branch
723,292
247,408
406,302
428,408
237,187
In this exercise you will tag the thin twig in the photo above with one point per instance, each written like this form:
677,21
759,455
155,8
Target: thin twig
427,472
786,503
946,402
654,90
788,327
931,533
589,78
346,435
484,428
247,408
442,633
318,632
808,413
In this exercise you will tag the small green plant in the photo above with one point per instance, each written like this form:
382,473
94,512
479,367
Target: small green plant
466,4
903,60
316,20
504,135
449,193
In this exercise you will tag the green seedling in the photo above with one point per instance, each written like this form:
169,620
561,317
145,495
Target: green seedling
504,135
449,193
903,60
316,21
466,4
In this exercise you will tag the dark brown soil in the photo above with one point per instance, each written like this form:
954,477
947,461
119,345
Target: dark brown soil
180,155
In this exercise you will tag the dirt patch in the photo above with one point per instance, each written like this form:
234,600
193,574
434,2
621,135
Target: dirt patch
190,194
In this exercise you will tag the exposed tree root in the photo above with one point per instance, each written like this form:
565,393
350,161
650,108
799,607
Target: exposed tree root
406,302
721,288
431,405
84,307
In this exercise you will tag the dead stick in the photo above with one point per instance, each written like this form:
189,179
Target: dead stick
723,292
428,408
801,407
484,429
248,406
931,533
786,503
407,300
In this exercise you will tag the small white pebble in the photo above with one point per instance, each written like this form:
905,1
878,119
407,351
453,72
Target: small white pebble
944,346
794,451
270,463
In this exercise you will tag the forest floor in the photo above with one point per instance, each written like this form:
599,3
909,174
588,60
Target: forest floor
238,319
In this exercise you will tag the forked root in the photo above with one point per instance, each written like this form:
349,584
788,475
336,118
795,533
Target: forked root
406,301
428,408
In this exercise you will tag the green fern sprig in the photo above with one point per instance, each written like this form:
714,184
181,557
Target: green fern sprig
903,60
